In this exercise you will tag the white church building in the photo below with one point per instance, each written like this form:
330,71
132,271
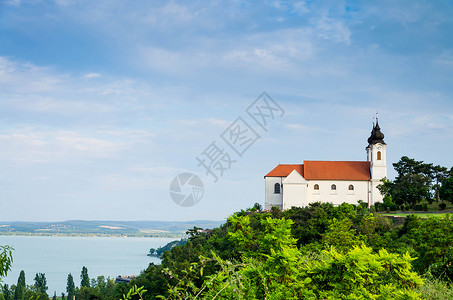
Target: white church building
329,181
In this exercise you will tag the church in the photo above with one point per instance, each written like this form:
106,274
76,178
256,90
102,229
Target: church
329,181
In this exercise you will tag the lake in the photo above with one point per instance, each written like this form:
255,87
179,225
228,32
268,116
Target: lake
59,256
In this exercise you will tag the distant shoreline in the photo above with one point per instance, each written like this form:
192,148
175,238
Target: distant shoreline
145,235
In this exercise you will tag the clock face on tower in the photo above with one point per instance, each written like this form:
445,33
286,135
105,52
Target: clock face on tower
379,147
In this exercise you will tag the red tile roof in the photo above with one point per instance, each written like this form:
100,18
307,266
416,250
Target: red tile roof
285,170
326,170
337,170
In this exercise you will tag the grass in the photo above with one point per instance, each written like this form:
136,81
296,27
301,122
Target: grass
433,211
421,215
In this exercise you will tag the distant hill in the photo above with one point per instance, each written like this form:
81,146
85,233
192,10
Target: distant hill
101,228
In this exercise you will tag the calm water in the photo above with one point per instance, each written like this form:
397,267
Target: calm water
58,256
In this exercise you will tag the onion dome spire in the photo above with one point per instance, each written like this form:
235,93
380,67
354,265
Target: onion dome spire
376,135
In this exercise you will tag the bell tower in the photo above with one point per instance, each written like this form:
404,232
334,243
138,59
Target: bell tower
377,156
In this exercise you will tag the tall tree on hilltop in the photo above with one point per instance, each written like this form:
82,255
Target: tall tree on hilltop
446,190
20,287
84,279
70,287
439,174
413,183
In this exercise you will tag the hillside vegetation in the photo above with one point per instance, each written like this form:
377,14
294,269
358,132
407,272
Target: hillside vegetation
316,252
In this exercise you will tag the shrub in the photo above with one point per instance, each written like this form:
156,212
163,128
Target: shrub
379,206
418,207
393,207
425,206
442,206
435,289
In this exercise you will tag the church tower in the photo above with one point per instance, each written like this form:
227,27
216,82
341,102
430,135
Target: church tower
377,156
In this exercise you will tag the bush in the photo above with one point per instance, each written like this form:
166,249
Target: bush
408,207
418,207
379,206
442,206
435,289
393,207
425,206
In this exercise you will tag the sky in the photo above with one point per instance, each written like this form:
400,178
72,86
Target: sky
104,103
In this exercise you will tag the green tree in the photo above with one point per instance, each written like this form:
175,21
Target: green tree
446,190
54,296
41,283
341,236
439,174
413,183
70,287
7,295
20,287
6,259
362,274
84,279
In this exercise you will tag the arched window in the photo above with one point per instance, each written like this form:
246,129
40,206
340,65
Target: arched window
316,187
379,155
277,188
333,187
351,187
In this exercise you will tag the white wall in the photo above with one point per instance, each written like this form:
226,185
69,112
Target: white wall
303,194
271,198
295,191
378,167
342,193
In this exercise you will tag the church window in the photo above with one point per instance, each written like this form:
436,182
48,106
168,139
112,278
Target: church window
333,187
316,187
379,155
351,187
277,188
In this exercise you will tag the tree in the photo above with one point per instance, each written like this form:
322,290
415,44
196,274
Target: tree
85,280
54,296
446,190
256,207
439,174
6,259
41,283
6,292
411,189
413,183
70,287
20,287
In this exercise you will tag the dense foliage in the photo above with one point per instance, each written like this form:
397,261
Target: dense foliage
6,260
418,181
315,252
160,251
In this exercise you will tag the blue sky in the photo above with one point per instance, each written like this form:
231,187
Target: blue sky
103,103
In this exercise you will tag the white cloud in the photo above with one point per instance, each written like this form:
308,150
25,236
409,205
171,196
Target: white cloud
92,75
